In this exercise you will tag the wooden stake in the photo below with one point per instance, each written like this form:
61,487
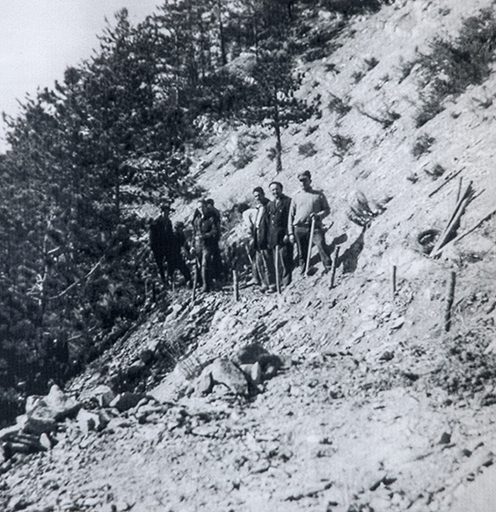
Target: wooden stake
459,191
394,281
449,301
446,180
473,228
455,217
235,285
334,266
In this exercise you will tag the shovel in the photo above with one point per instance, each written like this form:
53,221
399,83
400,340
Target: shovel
310,243
278,280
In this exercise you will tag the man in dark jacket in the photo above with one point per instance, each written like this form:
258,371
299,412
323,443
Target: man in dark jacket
161,235
206,242
263,256
218,269
278,239
165,245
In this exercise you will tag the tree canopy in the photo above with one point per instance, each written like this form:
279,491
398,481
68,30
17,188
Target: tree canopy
112,136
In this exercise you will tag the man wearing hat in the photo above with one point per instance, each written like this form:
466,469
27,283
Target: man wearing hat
165,245
308,204
160,234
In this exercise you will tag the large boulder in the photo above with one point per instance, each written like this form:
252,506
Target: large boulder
92,420
251,353
36,425
101,396
55,406
224,371
126,401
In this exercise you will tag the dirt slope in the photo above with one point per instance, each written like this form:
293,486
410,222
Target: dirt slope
377,407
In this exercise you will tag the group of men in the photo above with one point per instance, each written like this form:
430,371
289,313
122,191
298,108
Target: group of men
172,248
275,228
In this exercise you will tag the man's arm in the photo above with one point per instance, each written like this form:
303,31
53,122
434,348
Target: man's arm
213,231
323,206
291,215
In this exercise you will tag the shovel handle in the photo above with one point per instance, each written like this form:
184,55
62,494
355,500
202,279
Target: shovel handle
310,243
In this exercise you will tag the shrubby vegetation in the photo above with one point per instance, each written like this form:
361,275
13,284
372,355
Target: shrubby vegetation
451,66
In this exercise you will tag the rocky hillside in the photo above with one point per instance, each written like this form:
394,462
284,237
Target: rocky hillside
355,397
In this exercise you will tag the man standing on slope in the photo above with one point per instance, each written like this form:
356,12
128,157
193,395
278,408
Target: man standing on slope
278,213
308,204
263,255
249,217
206,242
217,263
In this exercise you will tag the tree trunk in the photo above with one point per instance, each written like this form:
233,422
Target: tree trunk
223,55
117,174
277,129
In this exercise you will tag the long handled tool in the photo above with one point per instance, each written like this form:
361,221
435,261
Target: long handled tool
195,278
248,253
334,266
278,279
310,244
235,285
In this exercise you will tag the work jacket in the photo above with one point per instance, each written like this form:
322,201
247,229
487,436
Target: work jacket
260,235
206,231
278,212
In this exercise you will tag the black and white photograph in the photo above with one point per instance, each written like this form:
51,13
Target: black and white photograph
248,255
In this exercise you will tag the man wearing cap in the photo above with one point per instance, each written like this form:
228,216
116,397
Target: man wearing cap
308,204
278,240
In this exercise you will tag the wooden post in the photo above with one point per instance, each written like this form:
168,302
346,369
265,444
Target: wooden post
195,281
449,301
235,285
459,191
310,243
334,266
394,281
446,180
276,265
455,217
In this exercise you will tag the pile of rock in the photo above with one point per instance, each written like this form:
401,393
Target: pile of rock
34,430
250,367
100,407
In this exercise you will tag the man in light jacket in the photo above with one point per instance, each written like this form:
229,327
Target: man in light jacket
308,204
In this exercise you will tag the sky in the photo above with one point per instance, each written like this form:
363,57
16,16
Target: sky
39,39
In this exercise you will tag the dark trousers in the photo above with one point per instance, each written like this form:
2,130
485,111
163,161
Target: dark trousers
204,265
302,235
284,264
265,267
218,270
177,263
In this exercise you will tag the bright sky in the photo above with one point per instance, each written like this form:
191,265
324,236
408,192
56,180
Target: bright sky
39,39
